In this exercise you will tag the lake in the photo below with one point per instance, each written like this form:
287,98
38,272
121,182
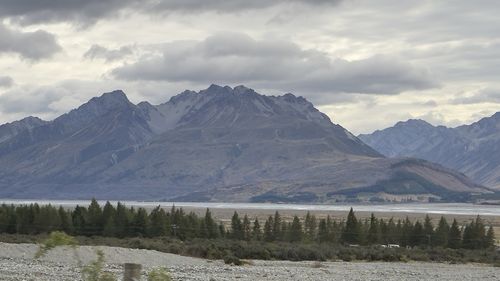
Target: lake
419,208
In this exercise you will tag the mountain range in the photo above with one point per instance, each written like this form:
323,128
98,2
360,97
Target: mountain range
218,144
471,149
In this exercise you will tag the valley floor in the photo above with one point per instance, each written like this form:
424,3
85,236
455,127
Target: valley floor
16,264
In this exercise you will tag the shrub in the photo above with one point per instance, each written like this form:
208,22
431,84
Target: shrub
230,259
159,274
56,238
94,270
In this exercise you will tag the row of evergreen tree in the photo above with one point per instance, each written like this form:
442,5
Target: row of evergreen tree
121,222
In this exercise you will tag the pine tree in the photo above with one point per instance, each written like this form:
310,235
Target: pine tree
79,220
122,221
392,235
47,220
373,231
441,233
479,234
277,227
256,231
406,229
417,236
66,224
295,230
236,227
157,222
351,233
490,238
310,225
428,230
211,227
247,232
268,230
140,223
95,222
454,236
469,241
323,231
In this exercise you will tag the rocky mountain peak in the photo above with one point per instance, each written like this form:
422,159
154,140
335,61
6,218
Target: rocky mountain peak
415,123
223,143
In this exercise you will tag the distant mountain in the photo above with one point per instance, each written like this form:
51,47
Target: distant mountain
219,144
472,149
11,130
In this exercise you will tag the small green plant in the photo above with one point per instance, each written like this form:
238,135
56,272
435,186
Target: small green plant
94,270
56,238
230,259
159,274
90,272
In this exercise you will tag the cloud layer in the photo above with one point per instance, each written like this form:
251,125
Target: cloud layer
6,82
385,59
87,12
99,52
34,45
232,58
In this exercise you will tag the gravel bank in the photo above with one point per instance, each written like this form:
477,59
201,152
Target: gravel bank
16,263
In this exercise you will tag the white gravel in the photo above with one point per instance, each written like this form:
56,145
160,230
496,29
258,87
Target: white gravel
17,263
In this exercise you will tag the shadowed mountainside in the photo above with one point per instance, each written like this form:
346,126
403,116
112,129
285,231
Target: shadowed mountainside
219,144
472,149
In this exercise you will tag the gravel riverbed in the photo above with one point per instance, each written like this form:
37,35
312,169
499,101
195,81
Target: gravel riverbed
17,263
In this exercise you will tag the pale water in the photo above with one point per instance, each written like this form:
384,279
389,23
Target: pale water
423,208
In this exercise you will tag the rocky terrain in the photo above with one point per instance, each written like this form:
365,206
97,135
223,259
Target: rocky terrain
16,264
219,144
472,149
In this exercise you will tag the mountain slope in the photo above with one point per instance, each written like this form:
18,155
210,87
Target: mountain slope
219,144
472,149
10,130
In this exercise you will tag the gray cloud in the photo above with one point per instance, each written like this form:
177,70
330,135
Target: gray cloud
36,11
229,6
31,101
487,95
100,52
90,11
6,82
30,45
236,58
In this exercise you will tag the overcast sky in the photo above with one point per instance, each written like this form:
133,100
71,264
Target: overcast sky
367,64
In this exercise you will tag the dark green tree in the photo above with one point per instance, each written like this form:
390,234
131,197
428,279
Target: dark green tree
441,233
79,220
323,232
212,228
94,222
374,231
256,231
277,227
268,230
428,230
454,236
351,233
236,227
140,223
296,230
417,236
310,225
490,238
157,222
247,228
66,223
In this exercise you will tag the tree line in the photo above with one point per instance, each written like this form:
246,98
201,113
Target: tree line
121,221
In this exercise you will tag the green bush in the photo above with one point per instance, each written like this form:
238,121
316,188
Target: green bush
159,274
230,259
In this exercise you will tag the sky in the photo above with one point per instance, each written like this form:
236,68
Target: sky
366,64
